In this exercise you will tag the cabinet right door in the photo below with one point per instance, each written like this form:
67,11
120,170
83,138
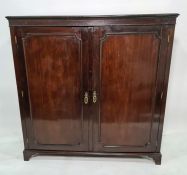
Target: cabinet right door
125,78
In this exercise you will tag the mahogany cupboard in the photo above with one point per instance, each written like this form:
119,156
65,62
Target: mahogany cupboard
92,86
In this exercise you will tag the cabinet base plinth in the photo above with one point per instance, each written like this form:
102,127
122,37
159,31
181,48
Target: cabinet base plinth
157,157
32,153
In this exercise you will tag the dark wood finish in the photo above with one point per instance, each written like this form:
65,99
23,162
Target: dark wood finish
124,59
56,84
128,95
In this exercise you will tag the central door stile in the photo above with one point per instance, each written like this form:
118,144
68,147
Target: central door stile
90,87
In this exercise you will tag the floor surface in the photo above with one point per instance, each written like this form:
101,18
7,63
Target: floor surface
174,161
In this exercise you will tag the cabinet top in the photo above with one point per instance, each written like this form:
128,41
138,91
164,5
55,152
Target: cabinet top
136,19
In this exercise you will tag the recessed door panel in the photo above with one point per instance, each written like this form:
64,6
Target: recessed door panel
126,86
54,61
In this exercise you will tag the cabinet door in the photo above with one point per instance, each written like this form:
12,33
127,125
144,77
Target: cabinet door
125,64
56,75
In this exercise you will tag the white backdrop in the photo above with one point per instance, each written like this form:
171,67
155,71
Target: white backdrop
176,109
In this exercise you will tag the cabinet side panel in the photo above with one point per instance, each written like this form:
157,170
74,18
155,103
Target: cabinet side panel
21,82
166,52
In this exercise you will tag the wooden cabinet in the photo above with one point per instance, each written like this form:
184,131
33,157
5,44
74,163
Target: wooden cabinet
92,85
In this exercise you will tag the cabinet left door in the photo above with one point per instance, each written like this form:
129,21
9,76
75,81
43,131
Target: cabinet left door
51,70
